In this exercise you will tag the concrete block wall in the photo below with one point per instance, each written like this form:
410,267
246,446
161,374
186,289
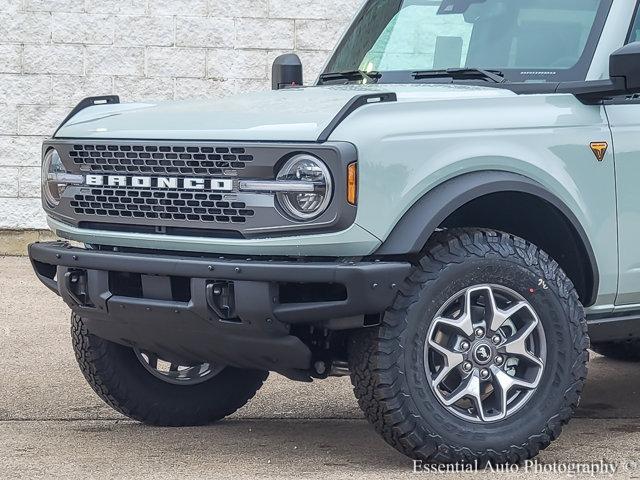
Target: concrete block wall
53,53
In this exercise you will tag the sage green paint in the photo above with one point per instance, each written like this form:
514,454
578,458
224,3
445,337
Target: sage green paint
406,148
353,241
625,125
283,115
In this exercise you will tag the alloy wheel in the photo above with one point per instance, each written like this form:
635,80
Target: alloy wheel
485,353
175,373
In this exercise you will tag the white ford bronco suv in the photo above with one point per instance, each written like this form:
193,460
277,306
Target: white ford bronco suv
446,215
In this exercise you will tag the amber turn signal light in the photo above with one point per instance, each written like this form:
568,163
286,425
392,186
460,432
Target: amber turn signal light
352,183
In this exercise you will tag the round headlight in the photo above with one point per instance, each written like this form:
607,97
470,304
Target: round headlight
309,204
52,169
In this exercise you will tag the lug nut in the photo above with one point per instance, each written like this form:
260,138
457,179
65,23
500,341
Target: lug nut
467,366
499,360
484,373
464,346
496,339
479,332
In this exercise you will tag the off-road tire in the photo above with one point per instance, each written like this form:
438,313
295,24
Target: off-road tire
387,362
119,378
626,350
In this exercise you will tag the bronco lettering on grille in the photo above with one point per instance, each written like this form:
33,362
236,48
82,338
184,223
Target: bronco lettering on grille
211,184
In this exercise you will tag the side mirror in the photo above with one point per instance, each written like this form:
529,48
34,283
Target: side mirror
624,73
286,71
625,63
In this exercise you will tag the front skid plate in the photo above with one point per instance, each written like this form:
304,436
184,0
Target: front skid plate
259,338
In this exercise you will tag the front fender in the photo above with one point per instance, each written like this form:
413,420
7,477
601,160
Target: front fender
412,232
416,226
407,148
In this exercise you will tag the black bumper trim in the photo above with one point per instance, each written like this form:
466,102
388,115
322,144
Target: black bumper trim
192,330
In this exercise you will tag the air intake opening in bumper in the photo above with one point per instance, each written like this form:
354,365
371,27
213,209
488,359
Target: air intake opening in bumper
312,292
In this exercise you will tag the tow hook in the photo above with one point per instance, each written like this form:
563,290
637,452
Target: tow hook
221,299
75,282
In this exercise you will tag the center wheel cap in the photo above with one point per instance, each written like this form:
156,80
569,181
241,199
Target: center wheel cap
482,354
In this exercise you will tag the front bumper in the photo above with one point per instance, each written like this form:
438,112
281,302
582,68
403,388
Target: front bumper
167,304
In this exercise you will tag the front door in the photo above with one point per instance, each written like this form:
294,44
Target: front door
624,117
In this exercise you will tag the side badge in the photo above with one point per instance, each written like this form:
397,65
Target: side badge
599,149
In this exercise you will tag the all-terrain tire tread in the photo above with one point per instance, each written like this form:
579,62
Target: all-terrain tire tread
92,354
377,379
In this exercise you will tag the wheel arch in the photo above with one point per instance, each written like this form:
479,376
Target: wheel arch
462,201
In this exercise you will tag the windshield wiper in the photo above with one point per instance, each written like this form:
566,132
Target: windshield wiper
367,77
495,76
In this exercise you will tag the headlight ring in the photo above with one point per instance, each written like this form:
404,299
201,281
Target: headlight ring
55,178
305,206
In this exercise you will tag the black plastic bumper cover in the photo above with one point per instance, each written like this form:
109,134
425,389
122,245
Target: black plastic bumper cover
259,334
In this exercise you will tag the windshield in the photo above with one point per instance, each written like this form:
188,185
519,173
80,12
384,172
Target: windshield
526,40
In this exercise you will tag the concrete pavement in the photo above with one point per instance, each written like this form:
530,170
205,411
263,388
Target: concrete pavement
52,425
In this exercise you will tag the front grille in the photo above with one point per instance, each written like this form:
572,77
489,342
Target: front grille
171,205
166,208
159,159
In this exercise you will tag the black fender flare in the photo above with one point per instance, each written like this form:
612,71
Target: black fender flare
414,229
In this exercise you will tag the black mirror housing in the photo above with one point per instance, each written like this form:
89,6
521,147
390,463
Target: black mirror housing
286,71
624,73
625,63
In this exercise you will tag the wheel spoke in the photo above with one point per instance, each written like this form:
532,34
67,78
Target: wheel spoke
465,322
517,344
153,360
505,384
471,389
498,316
452,360
175,373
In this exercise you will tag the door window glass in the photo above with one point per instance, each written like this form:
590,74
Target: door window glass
635,29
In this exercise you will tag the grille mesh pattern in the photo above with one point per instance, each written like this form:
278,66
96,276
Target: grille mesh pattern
163,205
160,160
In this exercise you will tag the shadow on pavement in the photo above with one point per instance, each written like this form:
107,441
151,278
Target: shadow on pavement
612,390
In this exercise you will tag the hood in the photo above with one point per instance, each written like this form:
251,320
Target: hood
299,114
